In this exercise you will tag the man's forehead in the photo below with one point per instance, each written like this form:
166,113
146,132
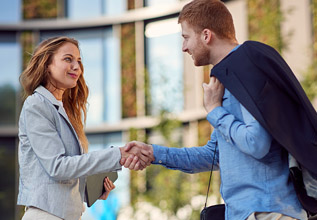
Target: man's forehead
187,29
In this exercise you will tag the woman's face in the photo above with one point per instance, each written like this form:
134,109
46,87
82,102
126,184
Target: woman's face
64,69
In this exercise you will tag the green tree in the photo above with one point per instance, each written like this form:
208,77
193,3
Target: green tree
33,9
8,105
264,22
309,82
7,182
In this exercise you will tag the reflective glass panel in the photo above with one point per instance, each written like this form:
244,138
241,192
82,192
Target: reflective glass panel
164,61
114,7
10,62
159,2
91,49
112,78
10,11
80,9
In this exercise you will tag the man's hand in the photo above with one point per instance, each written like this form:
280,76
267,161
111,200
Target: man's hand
134,159
142,151
213,94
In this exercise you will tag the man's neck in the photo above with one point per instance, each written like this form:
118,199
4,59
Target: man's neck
222,49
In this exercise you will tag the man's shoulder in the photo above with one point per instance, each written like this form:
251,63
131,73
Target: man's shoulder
254,49
250,44
249,50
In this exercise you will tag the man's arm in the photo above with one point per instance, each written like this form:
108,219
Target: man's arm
247,135
189,160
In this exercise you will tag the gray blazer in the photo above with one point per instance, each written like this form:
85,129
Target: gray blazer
51,163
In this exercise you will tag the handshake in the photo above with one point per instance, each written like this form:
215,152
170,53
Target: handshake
136,155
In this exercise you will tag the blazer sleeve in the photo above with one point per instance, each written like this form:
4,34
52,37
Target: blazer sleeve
50,150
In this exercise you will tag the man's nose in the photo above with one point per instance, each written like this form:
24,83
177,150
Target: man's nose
184,47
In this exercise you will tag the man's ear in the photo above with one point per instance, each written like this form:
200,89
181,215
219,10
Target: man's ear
207,35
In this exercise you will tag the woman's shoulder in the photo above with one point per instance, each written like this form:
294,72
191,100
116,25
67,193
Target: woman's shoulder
35,100
38,103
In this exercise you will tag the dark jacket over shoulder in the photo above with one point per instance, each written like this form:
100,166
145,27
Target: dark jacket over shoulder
265,85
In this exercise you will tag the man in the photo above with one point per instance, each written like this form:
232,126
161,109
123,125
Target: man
250,152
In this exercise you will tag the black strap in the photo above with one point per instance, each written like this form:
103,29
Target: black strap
212,167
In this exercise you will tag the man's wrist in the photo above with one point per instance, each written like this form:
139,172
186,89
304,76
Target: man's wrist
213,107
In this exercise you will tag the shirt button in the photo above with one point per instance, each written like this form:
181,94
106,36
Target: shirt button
160,161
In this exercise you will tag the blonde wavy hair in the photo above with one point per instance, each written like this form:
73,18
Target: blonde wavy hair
74,99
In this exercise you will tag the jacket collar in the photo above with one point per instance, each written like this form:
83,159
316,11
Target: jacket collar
48,95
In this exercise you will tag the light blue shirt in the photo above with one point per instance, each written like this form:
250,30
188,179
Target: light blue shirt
253,168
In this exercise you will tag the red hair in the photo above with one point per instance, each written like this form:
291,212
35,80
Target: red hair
209,14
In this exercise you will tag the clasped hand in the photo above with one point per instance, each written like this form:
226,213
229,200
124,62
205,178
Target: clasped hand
136,155
213,94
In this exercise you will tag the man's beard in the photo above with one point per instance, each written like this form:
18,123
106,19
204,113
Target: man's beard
201,57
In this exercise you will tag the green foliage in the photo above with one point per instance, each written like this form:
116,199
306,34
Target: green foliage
7,182
314,15
128,70
8,105
33,9
264,22
147,92
28,46
166,128
164,184
309,82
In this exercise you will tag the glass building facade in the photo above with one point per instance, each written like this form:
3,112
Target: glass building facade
135,70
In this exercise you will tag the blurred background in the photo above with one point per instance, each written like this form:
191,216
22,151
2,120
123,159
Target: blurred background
142,87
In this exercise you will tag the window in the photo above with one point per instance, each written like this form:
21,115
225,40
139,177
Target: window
164,61
10,62
81,9
10,11
159,2
111,7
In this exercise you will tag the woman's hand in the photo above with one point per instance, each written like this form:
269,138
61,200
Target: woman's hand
108,185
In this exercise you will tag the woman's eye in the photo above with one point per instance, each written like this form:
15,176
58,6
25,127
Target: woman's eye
68,59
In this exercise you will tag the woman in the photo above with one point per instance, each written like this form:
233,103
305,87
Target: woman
53,148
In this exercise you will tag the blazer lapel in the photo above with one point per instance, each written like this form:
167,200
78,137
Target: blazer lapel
48,95
62,112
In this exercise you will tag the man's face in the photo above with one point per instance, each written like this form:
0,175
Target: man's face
194,45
